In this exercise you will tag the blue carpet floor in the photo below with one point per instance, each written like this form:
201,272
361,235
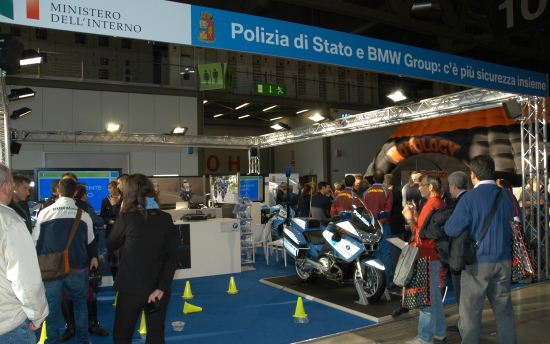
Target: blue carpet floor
258,313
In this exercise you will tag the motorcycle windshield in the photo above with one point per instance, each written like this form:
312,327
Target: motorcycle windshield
362,218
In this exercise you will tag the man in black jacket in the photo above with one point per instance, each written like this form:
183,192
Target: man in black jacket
449,251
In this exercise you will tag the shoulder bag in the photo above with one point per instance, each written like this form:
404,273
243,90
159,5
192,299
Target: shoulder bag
470,246
55,266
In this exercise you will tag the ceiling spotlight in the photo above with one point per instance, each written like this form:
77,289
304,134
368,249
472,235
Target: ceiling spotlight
24,111
179,130
280,126
301,111
397,96
218,115
114,128
269,108
204,102
30,57
275,118
20,93
243,116
317,117
241,106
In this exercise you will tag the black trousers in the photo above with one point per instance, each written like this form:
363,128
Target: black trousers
128,313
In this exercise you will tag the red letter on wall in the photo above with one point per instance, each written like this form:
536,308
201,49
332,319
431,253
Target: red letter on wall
231,163
216,163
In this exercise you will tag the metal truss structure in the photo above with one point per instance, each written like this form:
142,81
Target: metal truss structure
81,137
4,116
456,103
474,99
534,163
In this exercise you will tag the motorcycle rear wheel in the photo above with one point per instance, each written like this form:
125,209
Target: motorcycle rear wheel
373,283
303,274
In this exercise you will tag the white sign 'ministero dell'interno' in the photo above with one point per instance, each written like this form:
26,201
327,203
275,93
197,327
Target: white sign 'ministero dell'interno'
155,20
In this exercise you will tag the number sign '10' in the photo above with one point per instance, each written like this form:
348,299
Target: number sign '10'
526,12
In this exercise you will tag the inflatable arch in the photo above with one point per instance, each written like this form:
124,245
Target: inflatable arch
462,137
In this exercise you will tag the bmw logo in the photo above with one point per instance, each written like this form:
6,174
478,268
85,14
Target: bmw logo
235,225
347,247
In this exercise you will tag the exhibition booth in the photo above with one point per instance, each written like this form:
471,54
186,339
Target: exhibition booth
216,216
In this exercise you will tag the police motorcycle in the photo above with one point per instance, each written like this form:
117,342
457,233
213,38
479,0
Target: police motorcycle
277,215
341,251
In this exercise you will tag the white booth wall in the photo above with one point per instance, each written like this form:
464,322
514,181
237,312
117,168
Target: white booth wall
58,109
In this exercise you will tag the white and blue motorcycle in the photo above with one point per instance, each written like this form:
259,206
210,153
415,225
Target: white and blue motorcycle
341,251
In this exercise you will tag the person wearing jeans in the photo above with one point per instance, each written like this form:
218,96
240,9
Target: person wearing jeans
51,234
431,322
76,285
23,305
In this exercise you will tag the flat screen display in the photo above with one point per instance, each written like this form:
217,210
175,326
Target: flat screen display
176,189
252,187
96,181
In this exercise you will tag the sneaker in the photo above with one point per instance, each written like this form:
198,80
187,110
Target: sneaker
418,340
439,340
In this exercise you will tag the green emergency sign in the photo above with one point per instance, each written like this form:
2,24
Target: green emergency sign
271,90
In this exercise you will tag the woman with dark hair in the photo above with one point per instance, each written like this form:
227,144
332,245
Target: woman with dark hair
304,201
147,237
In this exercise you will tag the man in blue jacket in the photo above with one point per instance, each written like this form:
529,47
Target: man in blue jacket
491,273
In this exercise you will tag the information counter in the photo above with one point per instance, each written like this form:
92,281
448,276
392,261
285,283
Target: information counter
210,247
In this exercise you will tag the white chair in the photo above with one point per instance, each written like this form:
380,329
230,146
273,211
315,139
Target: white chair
258,240
276,246
263,238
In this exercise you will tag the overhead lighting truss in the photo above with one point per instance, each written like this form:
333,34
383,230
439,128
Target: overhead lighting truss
4,128
133,139
470,100
452,104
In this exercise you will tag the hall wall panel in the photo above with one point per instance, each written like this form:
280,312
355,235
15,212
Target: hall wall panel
141,113
308,158
66,109
87,111
188,114
166,113
167,160
57,104
114,107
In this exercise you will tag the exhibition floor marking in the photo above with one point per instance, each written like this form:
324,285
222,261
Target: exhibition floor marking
371,317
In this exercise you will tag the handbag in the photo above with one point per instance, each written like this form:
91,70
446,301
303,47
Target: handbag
405,265
55,266
416,293
470,246
522,267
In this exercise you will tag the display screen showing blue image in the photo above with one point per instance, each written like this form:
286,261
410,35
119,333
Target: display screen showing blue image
96,181
252,187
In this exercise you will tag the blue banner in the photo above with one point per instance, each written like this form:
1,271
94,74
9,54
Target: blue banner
240,32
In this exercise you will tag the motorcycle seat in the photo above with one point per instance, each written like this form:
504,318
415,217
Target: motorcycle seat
315,237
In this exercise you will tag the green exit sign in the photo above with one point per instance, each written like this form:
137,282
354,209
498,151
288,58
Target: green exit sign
271,90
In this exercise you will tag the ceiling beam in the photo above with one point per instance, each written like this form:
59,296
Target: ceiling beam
418,26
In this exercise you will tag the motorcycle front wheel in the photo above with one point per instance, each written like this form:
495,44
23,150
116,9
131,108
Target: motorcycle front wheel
303,273
373,283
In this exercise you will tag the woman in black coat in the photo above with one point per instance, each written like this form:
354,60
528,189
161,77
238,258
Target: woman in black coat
148,240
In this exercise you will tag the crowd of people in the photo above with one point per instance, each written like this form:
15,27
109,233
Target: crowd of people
136,229
437,218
